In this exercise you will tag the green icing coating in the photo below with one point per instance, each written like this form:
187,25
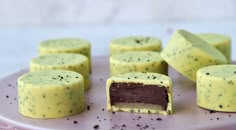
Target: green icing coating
60,59
148,76
140,56
137,61
220,71
135,41
65,44
215,39
53,77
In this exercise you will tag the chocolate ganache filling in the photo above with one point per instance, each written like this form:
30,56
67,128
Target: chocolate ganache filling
138,93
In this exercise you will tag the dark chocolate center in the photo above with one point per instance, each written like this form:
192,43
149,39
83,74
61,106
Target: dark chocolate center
138,93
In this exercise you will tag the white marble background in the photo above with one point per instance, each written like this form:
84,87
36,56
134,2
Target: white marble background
74,12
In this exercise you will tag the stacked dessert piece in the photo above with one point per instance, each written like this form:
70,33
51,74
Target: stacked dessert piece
135,86
58,77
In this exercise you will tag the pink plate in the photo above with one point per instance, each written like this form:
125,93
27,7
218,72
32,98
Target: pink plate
187,115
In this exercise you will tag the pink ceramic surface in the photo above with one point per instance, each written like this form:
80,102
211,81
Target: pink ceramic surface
187,115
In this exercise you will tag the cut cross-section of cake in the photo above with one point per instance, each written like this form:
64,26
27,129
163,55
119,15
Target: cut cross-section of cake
143,92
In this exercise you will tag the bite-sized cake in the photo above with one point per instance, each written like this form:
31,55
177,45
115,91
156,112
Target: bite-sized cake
219,41
137,61
63,61
187,53
216,88
50,94
140,92
134,43
66,45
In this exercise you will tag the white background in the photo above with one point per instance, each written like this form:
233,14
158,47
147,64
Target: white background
74,12
25,23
